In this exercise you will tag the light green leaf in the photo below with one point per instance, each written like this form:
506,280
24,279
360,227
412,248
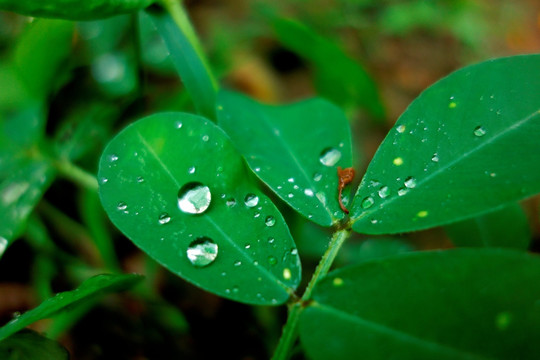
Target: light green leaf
176,186
337,76
507,227
465,146
456,304
189,60
89,289
294,149
29,345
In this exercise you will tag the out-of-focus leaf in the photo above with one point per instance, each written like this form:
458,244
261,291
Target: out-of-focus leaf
29,345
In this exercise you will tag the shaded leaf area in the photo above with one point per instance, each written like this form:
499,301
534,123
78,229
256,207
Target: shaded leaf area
92,287
176,186
29,345
507,227
465,146
422,306
294,149
337,76
372,249
73,9
189,61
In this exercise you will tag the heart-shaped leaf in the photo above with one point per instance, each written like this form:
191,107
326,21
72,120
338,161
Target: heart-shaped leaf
89,289
177,187
456,304
466,145
294,149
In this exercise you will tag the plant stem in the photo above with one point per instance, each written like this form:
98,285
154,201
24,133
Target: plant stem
76,174
290,330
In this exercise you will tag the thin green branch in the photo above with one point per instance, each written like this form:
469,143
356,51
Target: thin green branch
76,174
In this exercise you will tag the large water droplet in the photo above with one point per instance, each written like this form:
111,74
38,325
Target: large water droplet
270,221
367,202
384,192
400,129
309,192
164,218
194,198
330,156
251,200
410,182
479,131
202,252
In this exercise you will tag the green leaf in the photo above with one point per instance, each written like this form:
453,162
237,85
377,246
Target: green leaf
92,287
189,60
29,345
456,304
175,185
465,146
74,9
294,149
507,227
372,249
337,76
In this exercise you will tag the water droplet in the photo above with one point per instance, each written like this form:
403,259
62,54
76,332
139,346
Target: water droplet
271,240
113,158
317,177
257,214
202,252
290,195
435,158
121,206
479,131
270,221
374,221
140,179
291,180
287,274
410,182
330,156
178,124
255,262
237,263
296,187
205,138
194,198
309,192
230,202
384,192
251,200
164,218
272,260
191,170
104,180
401,128
257,169
402,191
367,202
235,289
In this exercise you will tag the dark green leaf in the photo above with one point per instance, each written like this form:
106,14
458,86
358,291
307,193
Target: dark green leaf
294,149
177,187
189,61
337,76
29,345
456,304
465,146
372,249
507,227
74,9
92,287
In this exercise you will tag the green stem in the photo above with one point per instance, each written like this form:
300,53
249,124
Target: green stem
290,330
76,174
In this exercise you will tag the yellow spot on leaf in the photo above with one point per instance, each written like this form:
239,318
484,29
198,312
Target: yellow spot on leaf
503,320
422,214
452,105
287,274
398,161
337,281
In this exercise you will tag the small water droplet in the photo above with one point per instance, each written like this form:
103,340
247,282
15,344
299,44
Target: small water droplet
317,177
140,179
230,202
235,289
104,180
251,200
205,138
330,156
374,221
479,131
271,240
296,187
202,252
191,170
402,191
435,158
401,128
270,221
290,195
194,198
164,218
367,202
113,158
178,124
272,260
410,182
384,192
257,169
257,214
121,206
291,180
309,192
237,263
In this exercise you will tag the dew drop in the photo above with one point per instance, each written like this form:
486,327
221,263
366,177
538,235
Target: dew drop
309,192
202,252
270,221
178,124
272,260
410,182
401,129
291,180
290,195
140,179
191,170
287,274
402,191
237,263
194,198
367,202
317,177
330,156
104,180
435,158
271,240
164,218
384,192
479,131
113,158
205,138
251,200
374,221
230,202
121,206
